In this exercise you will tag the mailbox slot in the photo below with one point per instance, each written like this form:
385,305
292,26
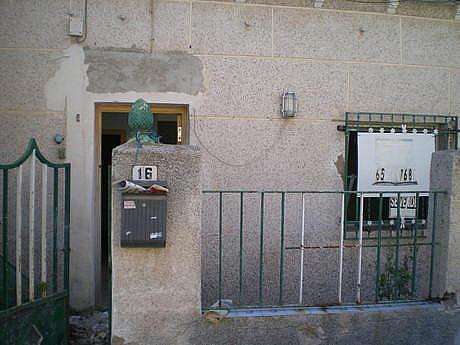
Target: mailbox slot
143,220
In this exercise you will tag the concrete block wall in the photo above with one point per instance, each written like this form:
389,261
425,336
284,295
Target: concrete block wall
228,62
156,291
445,172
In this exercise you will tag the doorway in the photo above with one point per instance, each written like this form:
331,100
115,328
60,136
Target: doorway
113,130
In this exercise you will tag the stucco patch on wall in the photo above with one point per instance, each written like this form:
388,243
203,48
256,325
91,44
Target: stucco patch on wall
115,70
68,81
340,165
24,74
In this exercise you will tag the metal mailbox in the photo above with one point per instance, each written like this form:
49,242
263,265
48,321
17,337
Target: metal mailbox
143,220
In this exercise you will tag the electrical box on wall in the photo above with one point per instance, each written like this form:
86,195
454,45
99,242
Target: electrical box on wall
143,219
75,26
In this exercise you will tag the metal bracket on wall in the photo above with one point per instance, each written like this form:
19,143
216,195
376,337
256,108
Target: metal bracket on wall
179,135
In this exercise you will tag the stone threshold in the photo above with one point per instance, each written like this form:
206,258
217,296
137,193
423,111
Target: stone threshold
327,310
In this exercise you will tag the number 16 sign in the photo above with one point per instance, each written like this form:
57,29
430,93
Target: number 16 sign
144,173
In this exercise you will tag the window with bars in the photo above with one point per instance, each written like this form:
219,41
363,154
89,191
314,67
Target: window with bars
379,209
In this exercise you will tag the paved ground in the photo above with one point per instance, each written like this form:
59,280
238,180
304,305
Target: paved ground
88,328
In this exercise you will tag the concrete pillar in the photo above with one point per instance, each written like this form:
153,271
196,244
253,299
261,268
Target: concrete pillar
156,292
445,176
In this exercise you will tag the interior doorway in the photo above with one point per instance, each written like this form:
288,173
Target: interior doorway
113,130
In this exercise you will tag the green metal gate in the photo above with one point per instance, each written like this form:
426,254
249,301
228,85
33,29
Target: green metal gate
34,256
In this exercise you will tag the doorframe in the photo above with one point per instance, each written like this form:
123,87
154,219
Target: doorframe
182,120
123,107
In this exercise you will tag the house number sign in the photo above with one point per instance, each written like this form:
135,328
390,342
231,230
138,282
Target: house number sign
144,173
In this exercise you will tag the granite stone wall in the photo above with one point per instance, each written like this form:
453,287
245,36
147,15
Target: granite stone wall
445,175
156,291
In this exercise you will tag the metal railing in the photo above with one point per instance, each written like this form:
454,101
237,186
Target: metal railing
36,258
254,233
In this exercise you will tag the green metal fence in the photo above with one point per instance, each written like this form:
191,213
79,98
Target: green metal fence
35,250
289,248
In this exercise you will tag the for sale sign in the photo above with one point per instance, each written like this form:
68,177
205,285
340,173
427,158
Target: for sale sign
394,162
407,206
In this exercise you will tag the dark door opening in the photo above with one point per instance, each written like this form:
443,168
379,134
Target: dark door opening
114,131
109,142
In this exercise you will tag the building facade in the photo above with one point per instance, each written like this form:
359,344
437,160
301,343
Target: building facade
214,72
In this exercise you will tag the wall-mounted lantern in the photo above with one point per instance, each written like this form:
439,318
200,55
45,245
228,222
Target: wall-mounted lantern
288,104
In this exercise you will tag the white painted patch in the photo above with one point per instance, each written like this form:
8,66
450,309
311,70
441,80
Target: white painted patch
68,81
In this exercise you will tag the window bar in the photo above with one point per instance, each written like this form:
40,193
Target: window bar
358,125
342,229
398,233
346,183
261,253
360,248
302,244
414,248
55,226
282,249
348,202
31,227
5,238
241,249
357,215
43,229
379,248
432,245
456,133
220,249
19,237
369,206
